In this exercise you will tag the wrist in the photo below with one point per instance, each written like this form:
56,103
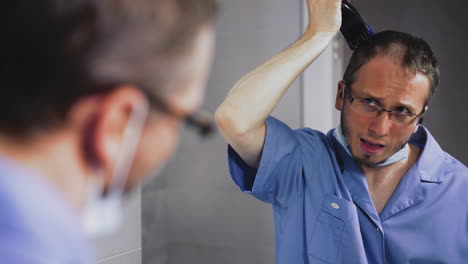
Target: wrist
315,33
317,36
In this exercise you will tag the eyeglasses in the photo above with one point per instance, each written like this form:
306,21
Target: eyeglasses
370,108
201,121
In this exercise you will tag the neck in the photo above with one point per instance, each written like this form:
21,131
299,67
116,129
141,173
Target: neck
377,176
383,181
55,158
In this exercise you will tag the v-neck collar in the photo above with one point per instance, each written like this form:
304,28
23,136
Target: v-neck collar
409,191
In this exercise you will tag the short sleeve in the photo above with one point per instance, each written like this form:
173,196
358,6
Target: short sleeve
279,173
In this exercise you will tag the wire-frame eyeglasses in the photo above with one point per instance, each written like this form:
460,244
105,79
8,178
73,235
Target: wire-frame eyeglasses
201,121
370,108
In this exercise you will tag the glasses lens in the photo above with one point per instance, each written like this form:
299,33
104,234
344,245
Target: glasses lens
371,110
364,107
402,119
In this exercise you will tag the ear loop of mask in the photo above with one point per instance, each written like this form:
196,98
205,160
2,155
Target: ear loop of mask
104,212
131,138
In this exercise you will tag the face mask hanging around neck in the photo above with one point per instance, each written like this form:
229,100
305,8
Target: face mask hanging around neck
402,154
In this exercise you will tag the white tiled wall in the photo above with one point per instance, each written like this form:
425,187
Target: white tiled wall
124,246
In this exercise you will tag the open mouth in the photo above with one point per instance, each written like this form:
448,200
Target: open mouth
371,147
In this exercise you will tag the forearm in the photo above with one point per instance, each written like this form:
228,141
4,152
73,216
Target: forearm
254,97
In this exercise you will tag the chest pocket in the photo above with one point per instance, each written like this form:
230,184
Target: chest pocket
325,242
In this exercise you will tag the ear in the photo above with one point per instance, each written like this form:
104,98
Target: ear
420,121
105,128
339,96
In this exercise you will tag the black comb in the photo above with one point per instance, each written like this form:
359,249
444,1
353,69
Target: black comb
353,27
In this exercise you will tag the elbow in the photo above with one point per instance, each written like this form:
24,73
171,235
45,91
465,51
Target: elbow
223,119
229,122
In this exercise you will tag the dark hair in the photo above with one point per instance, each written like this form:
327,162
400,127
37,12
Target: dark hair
56,51
414,54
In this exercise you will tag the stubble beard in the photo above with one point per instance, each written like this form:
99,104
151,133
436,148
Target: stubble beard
365,160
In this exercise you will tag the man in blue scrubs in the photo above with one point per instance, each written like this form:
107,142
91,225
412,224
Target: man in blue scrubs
93,96
378,188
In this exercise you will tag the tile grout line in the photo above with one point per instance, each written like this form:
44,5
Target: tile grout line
120,254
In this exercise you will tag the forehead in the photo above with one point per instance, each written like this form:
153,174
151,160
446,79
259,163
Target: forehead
385,78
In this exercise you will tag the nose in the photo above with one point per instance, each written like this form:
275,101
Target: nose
380,125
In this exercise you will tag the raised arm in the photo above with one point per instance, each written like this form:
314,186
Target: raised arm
241,117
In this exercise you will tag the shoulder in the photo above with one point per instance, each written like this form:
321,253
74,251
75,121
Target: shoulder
453,174
452,166
35,220
279,132
274,124
435,162
313,139
22,243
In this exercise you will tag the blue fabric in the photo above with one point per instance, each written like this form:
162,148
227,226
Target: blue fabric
324,213
37,225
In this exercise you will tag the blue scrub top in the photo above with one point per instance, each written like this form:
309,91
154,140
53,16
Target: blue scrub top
37,223
324,213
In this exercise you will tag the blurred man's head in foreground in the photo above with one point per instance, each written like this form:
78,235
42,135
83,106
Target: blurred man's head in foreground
95,91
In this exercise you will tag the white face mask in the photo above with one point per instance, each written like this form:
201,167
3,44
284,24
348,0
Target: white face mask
101,215
402,154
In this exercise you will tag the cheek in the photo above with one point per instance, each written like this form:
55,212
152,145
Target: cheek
157,145
354,123
401,133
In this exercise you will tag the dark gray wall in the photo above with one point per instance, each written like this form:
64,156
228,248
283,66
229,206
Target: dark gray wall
443,24
193,213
